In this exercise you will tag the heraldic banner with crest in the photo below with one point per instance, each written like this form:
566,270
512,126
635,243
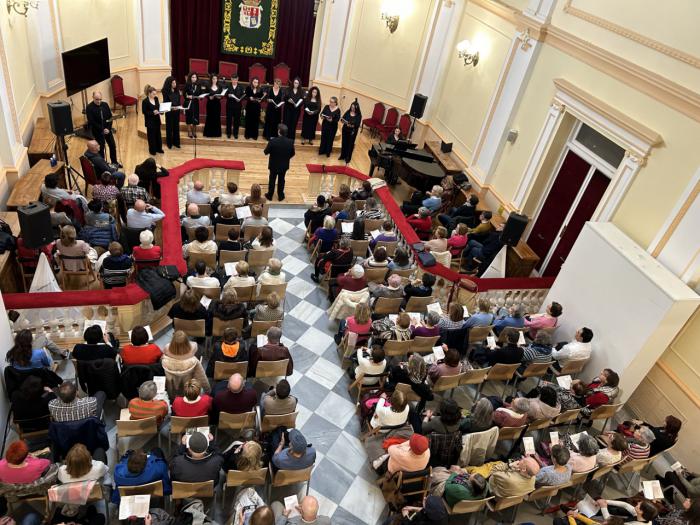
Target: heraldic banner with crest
249,27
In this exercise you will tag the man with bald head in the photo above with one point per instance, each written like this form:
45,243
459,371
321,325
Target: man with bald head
143,215
308,510
92,153
516,479
234,397
99,117
197,194
193,219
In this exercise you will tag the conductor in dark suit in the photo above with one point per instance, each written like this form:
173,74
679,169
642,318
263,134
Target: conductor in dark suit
280,149
99,118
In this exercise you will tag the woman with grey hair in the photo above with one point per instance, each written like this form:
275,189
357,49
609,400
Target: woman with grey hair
514,415
371,210
480,419
429,327
146,405
585,459
639,445
540,350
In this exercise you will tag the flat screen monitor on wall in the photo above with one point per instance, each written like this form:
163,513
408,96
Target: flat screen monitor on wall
86,66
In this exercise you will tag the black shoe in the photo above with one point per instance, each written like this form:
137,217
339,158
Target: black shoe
118,164
268,196
170,147
315,278
160,151
280,197
235,137
228,136
177,146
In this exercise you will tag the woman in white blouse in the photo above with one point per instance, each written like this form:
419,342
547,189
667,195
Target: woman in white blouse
390,416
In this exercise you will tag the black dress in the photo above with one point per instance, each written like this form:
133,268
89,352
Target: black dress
172,120
348,135
234,96
252,112
328,129
192,91
310,120
155,141
292,108
212,126
273,113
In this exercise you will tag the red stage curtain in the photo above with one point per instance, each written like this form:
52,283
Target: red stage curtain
195,32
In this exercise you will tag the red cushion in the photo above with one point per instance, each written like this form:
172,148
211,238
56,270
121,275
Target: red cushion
125,100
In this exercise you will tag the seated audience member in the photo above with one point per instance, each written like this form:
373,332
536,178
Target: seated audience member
226,216
20,467
31,401
133,192
340,256
113,260
106,190
232,244
454,318
422,287
638,444
255,219
438,243
514,479
464,487
69,407
558,472
386,234
431,200
508,353
140,351
228,350
479,254
233,196
579,348
326,234
255,197
372,363
481,229
69,245
50,190
415,374
148,171
458,240
180,364
315,216
616,446
241,278
79,466
449,366
22,356
393,415
348,213
664,437
247,457
200,279
236,398
585,459
539,351
138,468
263,241
353,280
193,219
410,456
545,320
96,216
143,215
447,421
512,318
278,400
483,317
272,274
385,329
464,214
433,512
359,323
146,405
546,405
95,346
378,259
429,327
197,195
92,153
400,261
362,193
392,289
193,403
421,222
371,210
146,251
308,513
645,512
514,415
343,194
196,460
58,219
189,307
602,390
270,310
274,350
480,418
297,456
200,245
228,308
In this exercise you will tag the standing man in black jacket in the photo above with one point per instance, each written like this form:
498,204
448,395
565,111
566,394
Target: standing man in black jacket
99,118
280,149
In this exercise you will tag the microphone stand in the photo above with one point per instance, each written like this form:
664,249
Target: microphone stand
196,123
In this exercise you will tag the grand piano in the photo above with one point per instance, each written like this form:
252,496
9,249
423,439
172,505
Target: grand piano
417,168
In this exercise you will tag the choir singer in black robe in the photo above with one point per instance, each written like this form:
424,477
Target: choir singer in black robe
329,126
234,96
99,118
351,124
172,118
192,92
312,107
150,108
294,99
273,112
212,126
253,95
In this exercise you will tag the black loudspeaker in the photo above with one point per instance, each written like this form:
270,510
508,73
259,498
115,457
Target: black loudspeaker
35,223
445,147
514,228
60,118
418,105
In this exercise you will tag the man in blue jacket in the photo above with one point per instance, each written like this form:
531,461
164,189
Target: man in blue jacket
138,468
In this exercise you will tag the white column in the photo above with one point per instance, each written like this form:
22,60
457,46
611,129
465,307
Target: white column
335,34
540,10
46,52
626,171
11,147
153,32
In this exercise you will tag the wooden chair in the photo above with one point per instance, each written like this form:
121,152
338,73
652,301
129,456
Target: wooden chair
221,231
227,256
271,422
27,271
211,292
137,427
396,348
120,97
30,435
566,417
266,210
282,478
148,489
603,472
546,492
227,69
362,388
579,478
272,368
424,345
193,328
387,305
219,325
281,72
604,412
224,370
228,421
251,232
208,258
501,372
246,293
414,486
390,121
634,468
201,489
261,327
375,275
411,396
571,368
445,383
179,425
501,504
85,272
474,506
267,289
510,433
260,258
359,248
204,209
475,377
419,304
403,273
241,478
190,231
373,224
336,207
536,370
478,334
389,246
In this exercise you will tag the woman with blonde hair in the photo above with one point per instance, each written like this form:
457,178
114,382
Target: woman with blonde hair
193,403
256,196
150,109
250,457
343,194
241,278
69,245
271,310
439,241
360,323
181,364
79,466
327,234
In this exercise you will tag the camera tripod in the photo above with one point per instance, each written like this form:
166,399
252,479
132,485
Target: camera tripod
71,173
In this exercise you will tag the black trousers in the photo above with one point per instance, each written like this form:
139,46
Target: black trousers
233,119
172,128
279,177
155,141
101,139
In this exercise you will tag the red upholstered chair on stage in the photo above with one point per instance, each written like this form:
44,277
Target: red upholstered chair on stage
392,117
257,70
281,71
119,97
88,172
199,66
227,69
404,124
375,120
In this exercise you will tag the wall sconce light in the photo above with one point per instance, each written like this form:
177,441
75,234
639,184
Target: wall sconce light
391,12
21,7
467,52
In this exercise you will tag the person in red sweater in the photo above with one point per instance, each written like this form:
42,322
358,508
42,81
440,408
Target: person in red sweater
140,352
193,403
353,280
146,251
602,390
19,467
458,240
421,222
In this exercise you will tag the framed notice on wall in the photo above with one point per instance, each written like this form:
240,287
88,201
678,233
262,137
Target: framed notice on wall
249,27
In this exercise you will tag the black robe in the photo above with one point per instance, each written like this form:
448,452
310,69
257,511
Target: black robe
252,112
310,120
273,114
328,129
233,109
192,113
212,126
292,110
172,118
348,135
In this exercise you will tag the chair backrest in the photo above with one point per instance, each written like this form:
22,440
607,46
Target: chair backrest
419,304
475,376
267,289
204,209
282,72
392,117
378,112
221,231
536,369
573,367
219,325
389,246
604,470
137,427
88,170
579,477
199,66
477,334
190,232
567,416
416,484
224,370
85,266
117,86
213,292
360,205
424,345
271,422
260,257
605,411
396,348
226,256
502,372
251,232
261,327
546,491
272,368
403,273
506,503
405,124
375,275
635,465
411,396
151,489
539,424
387,305
133,235
359,248
227,69
510,433
288,477
201,489
228,421
373,224
257,70
179,424
246,293
469,506
208,258
337,206
237,478
445,383
192,327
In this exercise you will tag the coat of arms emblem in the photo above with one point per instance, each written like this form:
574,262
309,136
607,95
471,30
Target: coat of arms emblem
251,14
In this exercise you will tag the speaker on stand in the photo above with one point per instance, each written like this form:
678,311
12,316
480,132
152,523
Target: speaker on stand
514,229
417,110
35,224
61,121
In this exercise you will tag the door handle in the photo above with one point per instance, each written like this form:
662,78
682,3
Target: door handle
540,236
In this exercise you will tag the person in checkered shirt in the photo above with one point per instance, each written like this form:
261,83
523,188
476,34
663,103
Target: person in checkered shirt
133,192
69,407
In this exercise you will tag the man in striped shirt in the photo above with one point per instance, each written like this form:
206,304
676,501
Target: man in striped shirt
146,405
69,407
